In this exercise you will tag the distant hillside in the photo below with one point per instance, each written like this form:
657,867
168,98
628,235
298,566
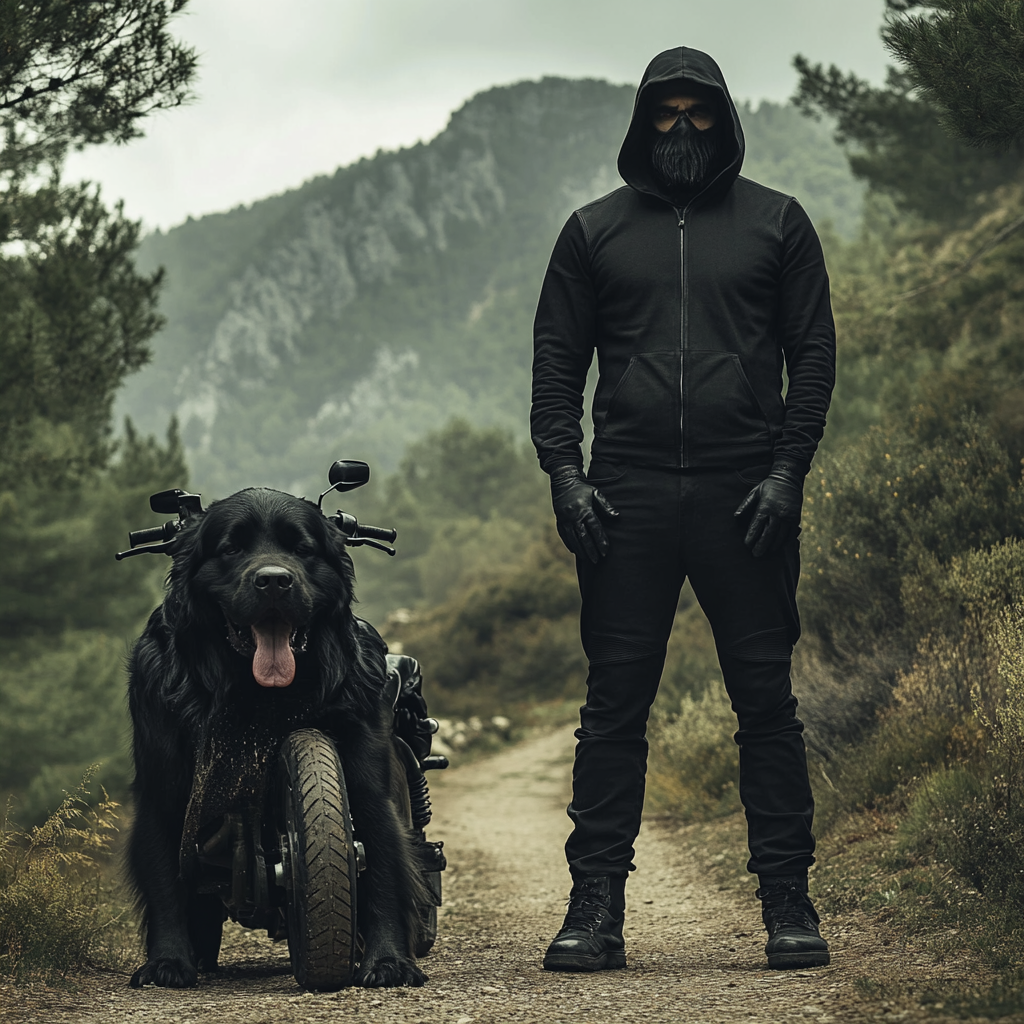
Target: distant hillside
355,313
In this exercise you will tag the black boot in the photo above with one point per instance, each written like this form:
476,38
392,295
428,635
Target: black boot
792,923
591,936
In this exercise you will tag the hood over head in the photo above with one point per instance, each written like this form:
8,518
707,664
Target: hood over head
686,66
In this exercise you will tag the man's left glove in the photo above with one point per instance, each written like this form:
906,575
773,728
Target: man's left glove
774,509
576,504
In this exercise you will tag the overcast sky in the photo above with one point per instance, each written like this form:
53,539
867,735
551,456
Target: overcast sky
288,90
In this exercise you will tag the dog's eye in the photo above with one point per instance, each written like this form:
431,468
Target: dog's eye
302,550
229,549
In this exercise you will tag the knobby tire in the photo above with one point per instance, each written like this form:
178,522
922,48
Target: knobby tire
321,899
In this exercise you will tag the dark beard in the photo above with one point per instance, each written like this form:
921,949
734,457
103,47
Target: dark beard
684,156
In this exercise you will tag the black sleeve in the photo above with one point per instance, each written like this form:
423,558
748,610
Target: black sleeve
563,346
807,333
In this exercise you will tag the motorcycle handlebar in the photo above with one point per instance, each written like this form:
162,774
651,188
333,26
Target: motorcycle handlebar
377,532
151,536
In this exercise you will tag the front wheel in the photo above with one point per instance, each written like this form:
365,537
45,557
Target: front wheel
319,862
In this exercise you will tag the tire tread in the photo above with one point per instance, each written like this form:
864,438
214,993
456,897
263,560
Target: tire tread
322,899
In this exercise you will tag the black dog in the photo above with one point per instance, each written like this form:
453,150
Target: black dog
257,615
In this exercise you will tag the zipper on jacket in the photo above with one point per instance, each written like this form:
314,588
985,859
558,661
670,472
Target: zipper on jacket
683,340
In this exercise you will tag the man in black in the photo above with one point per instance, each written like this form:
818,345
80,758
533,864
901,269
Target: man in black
695,287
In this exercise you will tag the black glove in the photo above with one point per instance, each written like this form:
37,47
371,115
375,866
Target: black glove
775,502
575,502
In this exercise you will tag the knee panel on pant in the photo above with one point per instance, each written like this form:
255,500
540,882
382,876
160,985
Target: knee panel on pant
766,645
610,648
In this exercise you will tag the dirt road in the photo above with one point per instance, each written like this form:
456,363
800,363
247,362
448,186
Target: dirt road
695,951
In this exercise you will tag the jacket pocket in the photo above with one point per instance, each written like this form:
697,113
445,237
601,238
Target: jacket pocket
644,407
722,408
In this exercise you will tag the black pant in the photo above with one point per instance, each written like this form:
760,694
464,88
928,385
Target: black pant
673,525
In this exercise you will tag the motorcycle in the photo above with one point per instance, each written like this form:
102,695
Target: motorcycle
268,827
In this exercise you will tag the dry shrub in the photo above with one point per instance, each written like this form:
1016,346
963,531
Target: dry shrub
1007,725
926,721
839,701
970,814
50,915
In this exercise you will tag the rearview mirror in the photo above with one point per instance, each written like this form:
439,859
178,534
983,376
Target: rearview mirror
175,501
165,503
348,474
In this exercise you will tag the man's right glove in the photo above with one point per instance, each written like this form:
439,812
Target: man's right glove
775,505
576,504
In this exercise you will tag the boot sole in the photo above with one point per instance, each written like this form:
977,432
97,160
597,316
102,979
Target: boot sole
790,961
580,962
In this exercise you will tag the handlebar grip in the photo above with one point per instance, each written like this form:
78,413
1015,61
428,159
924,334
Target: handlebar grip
151,536
377,533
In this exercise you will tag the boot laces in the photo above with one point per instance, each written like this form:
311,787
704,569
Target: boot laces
587,909
788,908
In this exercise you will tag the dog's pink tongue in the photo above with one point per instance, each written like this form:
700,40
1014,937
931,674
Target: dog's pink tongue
274,662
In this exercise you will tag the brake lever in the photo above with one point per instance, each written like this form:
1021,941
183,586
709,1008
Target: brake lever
355,542
146,549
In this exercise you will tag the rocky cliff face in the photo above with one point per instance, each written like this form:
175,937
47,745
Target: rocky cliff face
338,251
362,309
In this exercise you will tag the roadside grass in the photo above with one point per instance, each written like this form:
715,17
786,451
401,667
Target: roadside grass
61,909
866,864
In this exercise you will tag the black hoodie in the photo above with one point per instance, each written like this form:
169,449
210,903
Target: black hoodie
691,309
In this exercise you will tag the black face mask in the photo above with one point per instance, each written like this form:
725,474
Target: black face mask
684,157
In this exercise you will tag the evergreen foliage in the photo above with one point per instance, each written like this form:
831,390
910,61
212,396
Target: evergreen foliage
76,73
76,317
966,57
898,146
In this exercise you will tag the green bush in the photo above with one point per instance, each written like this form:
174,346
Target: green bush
876,510
509,637
694,762
928,721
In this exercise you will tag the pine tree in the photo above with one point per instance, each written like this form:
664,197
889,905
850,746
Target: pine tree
75,318
75,315
966,57
896,142
958,60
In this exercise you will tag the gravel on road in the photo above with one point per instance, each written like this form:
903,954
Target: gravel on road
695,948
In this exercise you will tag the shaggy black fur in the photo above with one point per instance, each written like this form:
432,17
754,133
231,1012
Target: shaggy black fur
184,672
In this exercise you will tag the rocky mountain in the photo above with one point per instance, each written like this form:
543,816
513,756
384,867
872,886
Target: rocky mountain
351,315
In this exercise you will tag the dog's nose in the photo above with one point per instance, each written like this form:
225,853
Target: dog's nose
272,577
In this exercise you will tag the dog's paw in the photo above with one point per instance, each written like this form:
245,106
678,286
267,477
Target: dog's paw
390,972
165,972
